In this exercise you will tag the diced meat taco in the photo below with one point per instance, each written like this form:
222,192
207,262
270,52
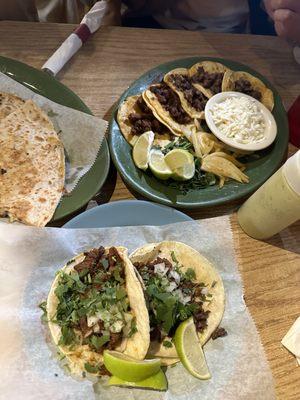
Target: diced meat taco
193,101
240,81
95,303
166,106
135,118
207,76
179,283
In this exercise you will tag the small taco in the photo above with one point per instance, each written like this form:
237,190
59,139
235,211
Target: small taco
240,81
95,303
166,106
193,101
207,76
179,283
135,118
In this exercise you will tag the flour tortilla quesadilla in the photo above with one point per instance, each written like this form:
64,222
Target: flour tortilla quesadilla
32,166
95,303
179,283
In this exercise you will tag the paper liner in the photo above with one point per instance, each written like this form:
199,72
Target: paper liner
29,258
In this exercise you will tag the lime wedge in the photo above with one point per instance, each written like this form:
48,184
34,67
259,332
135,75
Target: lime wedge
190,350
181,162
155,382
141,150
128,368
158,165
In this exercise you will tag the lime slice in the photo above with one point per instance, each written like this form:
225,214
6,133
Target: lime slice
181,163
190,350
128,368
141,150
158,165
155,382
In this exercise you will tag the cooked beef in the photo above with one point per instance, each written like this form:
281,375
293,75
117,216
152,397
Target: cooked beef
171,103
83,325
145,121
193,96
115,340
103,371
212,81
219,332
200,319
155,334
244,86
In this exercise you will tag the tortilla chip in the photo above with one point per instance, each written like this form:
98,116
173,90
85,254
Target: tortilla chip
164,116
188,108
9,103
230,77
210,67
126,108
205,272
32,166
136,346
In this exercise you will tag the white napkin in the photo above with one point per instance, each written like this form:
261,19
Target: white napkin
89,24
291,341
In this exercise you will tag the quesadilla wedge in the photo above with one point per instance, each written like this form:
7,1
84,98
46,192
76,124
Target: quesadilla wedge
32,166
240,81
193,101
179,283
207,76
135,118
9,103
166,106
95,303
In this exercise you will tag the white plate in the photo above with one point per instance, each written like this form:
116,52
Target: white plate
270,131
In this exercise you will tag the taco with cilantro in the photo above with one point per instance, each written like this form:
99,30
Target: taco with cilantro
95,303
179,283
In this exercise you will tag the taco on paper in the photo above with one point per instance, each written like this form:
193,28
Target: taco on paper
95,303
166,106
9,103
135,118
240,81
179,283
193,101
207,76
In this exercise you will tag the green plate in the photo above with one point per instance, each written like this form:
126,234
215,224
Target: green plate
260,166
44,84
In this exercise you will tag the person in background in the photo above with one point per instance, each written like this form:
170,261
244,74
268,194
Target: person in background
216,15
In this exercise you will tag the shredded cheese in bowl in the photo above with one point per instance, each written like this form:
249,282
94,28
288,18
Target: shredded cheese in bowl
239,118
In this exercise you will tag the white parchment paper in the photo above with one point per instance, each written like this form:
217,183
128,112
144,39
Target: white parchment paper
81,134
29,258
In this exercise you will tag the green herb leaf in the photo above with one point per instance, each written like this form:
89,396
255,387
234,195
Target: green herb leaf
92,369
133,328
121,293
167,343
105,263
68,336
43,306
99,341
190,274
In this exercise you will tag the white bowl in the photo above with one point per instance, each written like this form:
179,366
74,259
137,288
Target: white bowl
270,130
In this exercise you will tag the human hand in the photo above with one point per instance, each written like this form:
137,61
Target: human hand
286,16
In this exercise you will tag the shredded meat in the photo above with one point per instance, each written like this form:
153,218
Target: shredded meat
103,371
115,340
219,332
212,81
145,121
244,86
200,319
155,334
193,96
171,103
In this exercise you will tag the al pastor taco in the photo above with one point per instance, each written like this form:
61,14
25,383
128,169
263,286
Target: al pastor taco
135,118
95,303
240,81
166,106
207,76
193,101
179,283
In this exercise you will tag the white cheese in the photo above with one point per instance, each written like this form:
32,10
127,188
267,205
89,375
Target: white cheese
239,119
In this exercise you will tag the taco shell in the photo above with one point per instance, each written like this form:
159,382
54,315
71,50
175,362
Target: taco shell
231,77
128,107
210,67
135,346
9,103
205,272
188,108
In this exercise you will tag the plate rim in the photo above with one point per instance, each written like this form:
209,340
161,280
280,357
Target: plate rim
185,204
104,148
122,202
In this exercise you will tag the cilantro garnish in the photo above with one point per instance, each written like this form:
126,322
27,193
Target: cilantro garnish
190,274
98,341
133,328
43,306
167,343
92,369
